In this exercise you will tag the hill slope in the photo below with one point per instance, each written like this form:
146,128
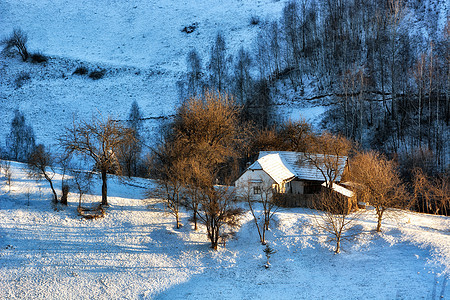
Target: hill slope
139,43
135,253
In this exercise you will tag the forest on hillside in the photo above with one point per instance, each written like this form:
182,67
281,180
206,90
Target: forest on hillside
381,68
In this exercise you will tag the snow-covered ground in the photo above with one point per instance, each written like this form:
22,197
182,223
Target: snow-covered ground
135,253
140,43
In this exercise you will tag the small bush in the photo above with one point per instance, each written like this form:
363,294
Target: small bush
21,79
254,20
80,71
190,28
38,58
96,75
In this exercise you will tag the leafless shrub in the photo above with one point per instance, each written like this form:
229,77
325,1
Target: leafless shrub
81,181
96,75
254,20
91,213
80,71
17,41
38,58
431,195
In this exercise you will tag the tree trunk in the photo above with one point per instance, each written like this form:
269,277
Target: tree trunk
214,239
379,225
338,245
65,194
104,188
263,236
55,196
379,218
195,219
177,217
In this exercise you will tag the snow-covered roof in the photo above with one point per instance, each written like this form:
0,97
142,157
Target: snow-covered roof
286,165
340,189
274,167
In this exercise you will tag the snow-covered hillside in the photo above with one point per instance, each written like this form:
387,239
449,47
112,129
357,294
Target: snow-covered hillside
135,253
139,43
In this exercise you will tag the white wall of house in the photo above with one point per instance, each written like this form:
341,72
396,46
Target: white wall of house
254,184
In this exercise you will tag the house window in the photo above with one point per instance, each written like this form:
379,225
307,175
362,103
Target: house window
257,190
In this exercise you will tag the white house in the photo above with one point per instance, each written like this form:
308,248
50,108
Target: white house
289,173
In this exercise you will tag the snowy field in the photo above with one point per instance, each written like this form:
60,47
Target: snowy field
139,43
135,253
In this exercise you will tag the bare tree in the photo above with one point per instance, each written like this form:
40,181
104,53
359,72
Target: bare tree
98,140
431,195
208,127
82,181
218,64
419,76
204,136
328,153
217,210
168,166
259,108
296,136
395,13
64,163
261,195
378,183
130,153
333,217
6,168
194,74
20,142
18,41
40,164
243,79
195,180
291,27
